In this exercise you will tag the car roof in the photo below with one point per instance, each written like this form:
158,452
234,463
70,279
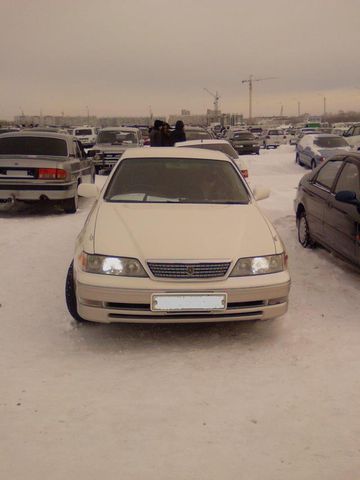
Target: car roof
31,133
124,129
207,141
173,152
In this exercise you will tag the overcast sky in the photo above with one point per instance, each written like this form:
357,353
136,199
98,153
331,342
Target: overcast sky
118,57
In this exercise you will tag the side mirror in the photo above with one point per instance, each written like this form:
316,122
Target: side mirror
88,190
260,192
347,196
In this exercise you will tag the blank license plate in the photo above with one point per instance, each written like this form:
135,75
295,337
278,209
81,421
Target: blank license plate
17,173
188,302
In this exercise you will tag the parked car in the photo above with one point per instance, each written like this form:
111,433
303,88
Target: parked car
176,235
244,142
38,166
312,150
86,135
327,207
256,131
111,143
197,133
352,136
220,146
274,138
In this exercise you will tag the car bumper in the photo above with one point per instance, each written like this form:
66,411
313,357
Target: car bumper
256,299
37,191
247,149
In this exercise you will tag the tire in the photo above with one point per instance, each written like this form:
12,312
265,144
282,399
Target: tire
304,236
70,205
313,164
257,152
97,169
297,159
70,295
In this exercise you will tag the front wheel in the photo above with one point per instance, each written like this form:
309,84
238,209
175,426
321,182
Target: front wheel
313,164
70,295
304,236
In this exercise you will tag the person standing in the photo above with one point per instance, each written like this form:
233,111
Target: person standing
166,140
178,135
155,134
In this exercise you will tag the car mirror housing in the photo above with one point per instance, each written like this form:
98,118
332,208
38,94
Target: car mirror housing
88,190
347,196
260,192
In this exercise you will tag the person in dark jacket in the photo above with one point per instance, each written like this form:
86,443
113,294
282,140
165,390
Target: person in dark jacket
178,135
155,134
166,140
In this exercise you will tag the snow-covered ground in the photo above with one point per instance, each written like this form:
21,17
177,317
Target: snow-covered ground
276,401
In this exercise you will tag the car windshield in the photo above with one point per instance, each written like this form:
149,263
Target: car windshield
330,142
33,146
83,131
197,134
276,132
243,136
116,137
176,180
255,130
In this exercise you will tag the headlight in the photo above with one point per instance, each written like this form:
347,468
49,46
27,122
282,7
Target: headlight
125,267
259,265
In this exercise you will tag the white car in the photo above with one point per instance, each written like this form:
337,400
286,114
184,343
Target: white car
176,236
274,138
220,146
86,135
352,136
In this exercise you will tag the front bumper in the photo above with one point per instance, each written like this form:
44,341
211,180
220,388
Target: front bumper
262,299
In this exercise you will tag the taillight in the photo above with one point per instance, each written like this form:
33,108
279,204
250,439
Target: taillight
52,174
245,173
322,159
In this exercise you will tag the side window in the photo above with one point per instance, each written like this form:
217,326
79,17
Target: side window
349,179
327,174
356,131
350,132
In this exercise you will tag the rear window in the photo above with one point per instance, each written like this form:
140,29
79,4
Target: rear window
197,134
243,136
83,131
276,132
33,146
330,142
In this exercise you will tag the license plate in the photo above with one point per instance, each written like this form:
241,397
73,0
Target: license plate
188,302
17,173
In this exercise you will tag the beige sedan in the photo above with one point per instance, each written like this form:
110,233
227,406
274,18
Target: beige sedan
176,235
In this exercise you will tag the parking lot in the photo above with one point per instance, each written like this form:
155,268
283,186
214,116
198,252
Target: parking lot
267,400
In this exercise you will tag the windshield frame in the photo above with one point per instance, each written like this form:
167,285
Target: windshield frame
246,191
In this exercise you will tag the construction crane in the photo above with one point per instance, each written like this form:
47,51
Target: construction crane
250,81
216,97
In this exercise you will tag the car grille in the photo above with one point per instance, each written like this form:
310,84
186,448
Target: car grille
189,271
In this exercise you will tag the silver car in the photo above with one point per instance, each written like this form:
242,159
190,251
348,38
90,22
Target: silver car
111,143
312,150
40,166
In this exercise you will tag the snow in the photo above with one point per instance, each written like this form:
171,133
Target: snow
276,400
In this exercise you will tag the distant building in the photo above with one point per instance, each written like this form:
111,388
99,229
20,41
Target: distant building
185,112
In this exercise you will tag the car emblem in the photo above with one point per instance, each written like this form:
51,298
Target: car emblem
190,271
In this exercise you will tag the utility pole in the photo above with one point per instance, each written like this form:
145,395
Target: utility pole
298,104
250,81
216,97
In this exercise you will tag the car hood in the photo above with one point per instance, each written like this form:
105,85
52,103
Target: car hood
168,231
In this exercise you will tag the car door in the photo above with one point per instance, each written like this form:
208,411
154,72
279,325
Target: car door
307,153
342,220
317,195
85,163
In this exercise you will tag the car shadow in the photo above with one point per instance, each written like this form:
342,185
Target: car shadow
120,337
36,209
